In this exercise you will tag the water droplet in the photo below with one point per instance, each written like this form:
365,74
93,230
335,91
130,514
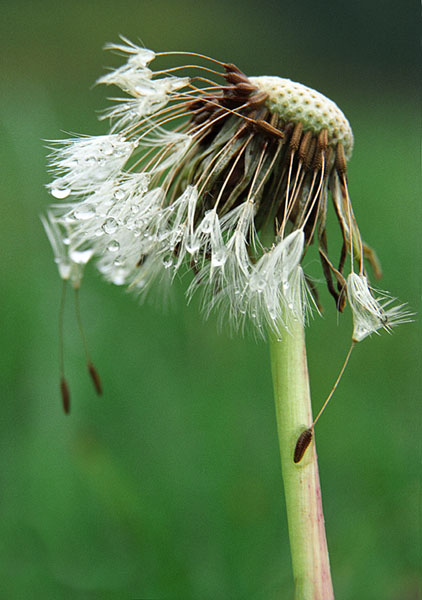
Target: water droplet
84,212
137,232
113,246
110,225
64,268
81,257
258,283
207,222
118,261
219,257
167,261
119,279
119,194
193,246
98,232
135,208
70,218
60,193
66,241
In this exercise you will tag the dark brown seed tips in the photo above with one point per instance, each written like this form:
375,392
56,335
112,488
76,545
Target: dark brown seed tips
302,443
95,378
64,389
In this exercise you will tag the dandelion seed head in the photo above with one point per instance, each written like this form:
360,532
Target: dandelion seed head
207,170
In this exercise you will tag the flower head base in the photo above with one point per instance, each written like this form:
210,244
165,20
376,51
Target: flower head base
229,178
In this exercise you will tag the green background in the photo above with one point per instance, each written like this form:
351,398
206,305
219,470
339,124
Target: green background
169,485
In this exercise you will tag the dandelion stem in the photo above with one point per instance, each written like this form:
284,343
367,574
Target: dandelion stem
308,544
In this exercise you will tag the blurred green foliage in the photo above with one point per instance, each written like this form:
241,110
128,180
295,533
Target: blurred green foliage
169,485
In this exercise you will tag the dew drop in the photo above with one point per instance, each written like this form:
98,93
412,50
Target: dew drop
193,246
207,222
218,258
119,194
81,257
258,284
84,212
110,225
167,262
113,246
119,279
70,218
60,193
66,241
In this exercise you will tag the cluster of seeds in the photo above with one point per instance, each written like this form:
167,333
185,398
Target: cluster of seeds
229,177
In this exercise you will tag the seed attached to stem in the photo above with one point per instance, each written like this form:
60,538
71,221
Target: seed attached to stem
302,444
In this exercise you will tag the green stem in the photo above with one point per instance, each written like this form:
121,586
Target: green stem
308,544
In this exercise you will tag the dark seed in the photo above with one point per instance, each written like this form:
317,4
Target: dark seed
302,443
64,389
95,378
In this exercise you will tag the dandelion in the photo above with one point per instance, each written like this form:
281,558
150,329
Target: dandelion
229,177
